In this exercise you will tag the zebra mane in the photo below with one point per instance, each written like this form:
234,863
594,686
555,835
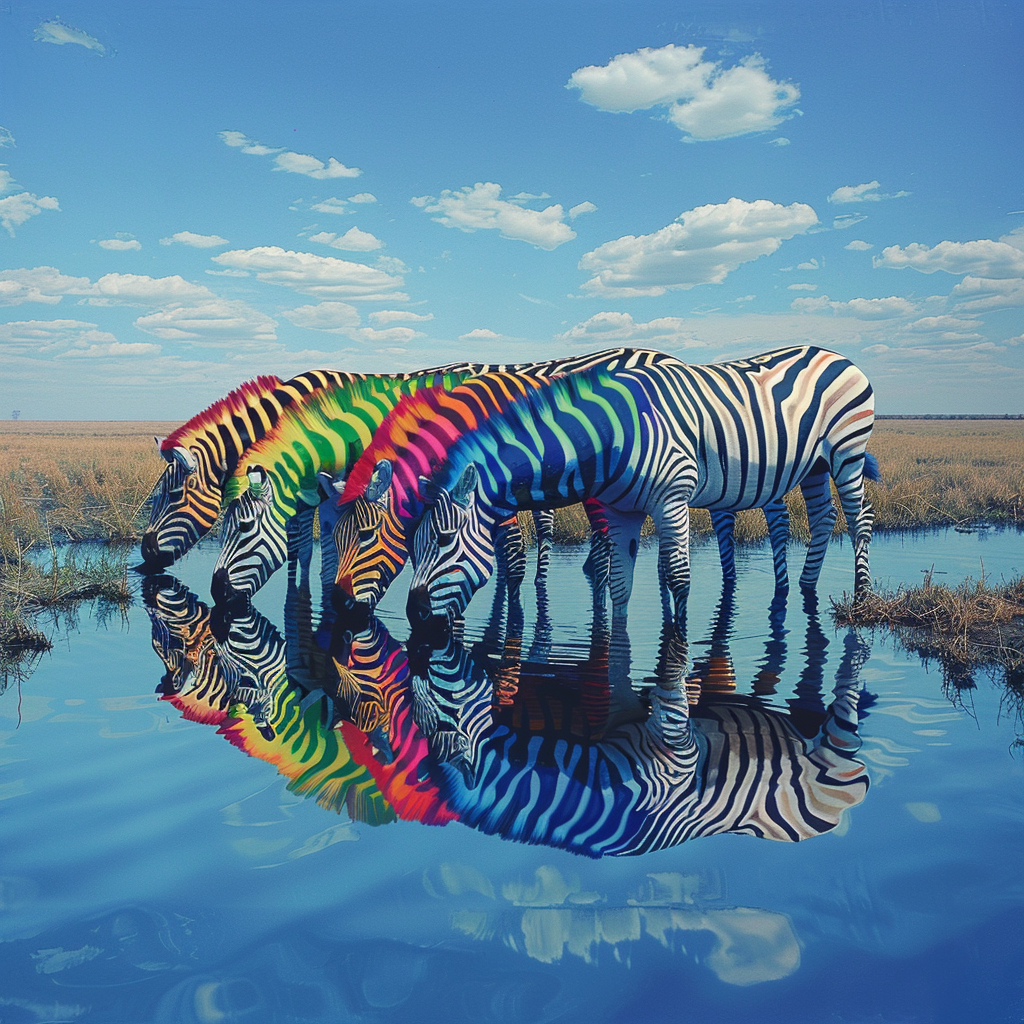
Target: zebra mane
220,413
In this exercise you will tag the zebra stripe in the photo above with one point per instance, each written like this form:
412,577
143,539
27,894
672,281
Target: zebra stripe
281,725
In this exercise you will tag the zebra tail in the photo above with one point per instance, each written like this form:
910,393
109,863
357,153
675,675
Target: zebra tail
871,470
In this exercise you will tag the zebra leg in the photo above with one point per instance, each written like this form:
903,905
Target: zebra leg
623,543
723,524
544,524
513,552
597,567
674,552
300,540
859,519
777,517
821,518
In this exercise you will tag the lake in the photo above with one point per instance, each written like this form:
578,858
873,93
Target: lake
151,871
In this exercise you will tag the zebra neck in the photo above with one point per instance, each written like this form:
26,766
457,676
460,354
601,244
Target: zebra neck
327,431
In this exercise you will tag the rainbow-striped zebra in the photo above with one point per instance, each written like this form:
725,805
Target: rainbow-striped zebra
642,433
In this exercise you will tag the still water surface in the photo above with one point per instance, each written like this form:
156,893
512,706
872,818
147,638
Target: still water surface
151,871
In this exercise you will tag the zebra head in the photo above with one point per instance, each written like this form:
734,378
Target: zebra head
370,542
452,550
184,505
255,541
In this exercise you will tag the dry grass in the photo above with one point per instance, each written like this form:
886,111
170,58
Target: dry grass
90,480
75,480
967,628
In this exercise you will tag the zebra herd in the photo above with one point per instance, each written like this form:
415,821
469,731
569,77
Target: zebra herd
434,468
436,465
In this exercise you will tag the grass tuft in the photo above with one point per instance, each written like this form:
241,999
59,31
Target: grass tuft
970,628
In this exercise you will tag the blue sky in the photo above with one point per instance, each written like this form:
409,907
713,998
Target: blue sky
191,195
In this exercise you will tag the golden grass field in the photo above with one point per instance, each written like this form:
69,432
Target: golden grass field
90,480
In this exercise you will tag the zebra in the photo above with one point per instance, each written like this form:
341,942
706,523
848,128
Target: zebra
644,440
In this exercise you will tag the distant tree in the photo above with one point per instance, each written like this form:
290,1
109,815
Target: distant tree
15,414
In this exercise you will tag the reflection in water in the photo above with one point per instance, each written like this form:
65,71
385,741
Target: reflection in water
543,749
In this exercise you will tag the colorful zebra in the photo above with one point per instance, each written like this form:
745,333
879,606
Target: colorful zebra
651,440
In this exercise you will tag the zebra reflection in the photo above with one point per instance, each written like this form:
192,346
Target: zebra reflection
686,770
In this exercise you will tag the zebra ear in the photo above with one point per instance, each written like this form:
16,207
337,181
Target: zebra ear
465,487
257,478
183,457
380,481
428,489
332,486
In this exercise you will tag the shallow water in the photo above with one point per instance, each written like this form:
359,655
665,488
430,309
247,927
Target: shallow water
154,872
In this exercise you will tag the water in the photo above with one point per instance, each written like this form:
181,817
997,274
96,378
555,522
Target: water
153,872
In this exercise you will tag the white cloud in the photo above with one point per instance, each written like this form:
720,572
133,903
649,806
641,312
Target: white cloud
976,294
858,246
611,329
391,265
811,264
119,244
943,324
983,258
141,290
213,323
194,240
391,335
324,277
286,160
301,163
15,210
49,285
45,337
6,138
325,316
390,316
701,247
703,99
361,197
803,287
480,207
332,205
353,240
60,34
228,273
580,208
480,334
866,193
862,309
847,220
780,141
1014,238
113,349
247,145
